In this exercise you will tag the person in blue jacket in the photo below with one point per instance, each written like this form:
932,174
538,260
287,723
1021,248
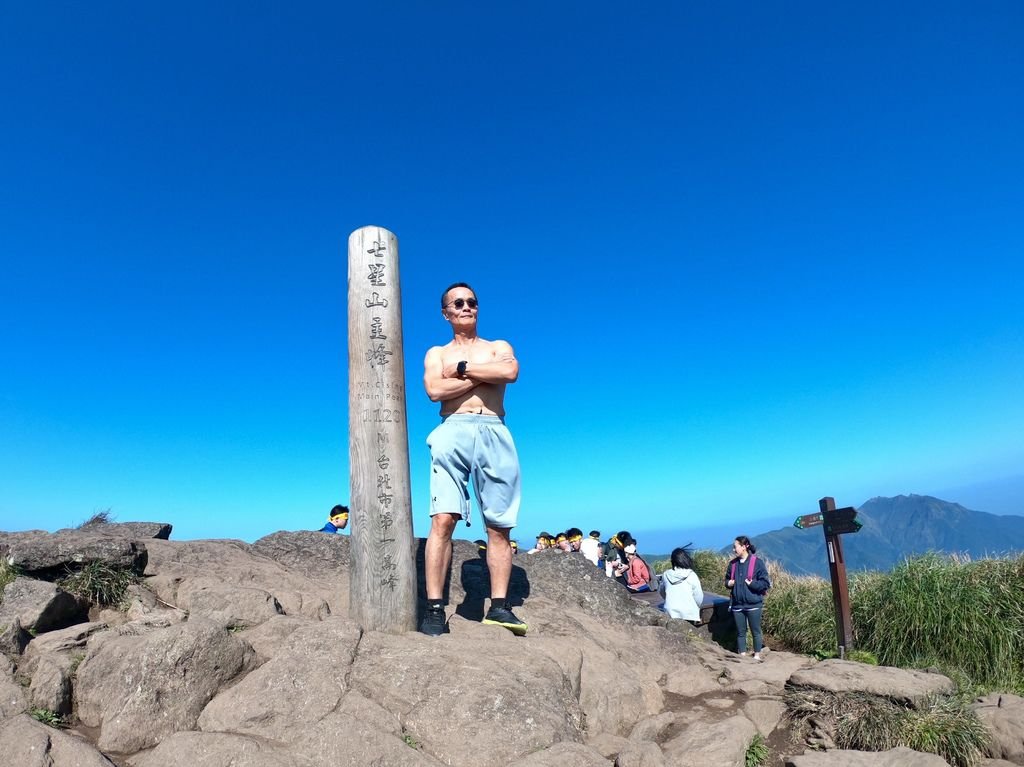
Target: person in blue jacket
337,521
747,579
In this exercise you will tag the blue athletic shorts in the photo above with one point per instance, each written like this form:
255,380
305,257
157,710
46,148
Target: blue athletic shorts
467,445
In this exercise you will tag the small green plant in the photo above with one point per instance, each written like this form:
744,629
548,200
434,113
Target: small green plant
100,583
76,661
410,741
47,717
866,657
8,573
757,752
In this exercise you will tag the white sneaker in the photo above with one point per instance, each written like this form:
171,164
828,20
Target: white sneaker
757,656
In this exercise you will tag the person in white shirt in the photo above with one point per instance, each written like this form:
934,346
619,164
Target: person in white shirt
681,588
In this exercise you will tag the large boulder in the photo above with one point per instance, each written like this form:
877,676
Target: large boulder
483,697
901,685
51,683
179,568
140,689
897,757
721,743
1003,716
137,530
42,606
25,742
45,556
302,684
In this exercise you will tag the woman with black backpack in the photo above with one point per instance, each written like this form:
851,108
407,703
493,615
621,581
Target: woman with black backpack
748,582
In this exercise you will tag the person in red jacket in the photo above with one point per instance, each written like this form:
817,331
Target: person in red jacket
638,574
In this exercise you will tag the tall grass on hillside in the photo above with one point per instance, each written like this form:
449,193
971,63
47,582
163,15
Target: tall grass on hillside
955,613
966,617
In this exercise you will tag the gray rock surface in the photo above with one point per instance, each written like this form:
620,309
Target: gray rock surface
136,530
301,684
902,685
43,555
64,640
41,606
652,728
13,699
1003,716
25,742
640,754
765,713
51,684
720,744
140,689
218,749
897,757
13,638
454,695
564,755
227,604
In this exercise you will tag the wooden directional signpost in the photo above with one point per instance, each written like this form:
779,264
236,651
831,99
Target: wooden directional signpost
382,593
836,522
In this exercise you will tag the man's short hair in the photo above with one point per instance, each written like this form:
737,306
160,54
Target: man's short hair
339,509
451,288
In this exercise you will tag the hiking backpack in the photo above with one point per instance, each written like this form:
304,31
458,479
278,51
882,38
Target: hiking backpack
750,574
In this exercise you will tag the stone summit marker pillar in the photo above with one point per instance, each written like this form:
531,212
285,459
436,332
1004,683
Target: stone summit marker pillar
382,593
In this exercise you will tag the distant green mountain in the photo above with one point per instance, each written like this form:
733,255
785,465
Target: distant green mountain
895,528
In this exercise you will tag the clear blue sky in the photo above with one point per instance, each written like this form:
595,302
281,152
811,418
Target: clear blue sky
748,254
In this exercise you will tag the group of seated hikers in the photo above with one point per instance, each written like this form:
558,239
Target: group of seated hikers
679,584
617,556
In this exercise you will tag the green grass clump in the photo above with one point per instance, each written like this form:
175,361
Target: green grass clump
943,725
757,752
100,583
8,573
47,717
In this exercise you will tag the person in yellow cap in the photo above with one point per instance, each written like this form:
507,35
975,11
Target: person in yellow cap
337,520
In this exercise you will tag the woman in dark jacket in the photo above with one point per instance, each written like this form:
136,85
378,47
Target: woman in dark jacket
747,579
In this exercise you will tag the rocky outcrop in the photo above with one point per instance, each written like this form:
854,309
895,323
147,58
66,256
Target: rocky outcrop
138,690
897,757
901,685
45,556
25,742
1003,715
41,606
134,530
227,654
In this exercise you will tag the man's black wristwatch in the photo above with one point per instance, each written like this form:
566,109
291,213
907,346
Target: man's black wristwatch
461,368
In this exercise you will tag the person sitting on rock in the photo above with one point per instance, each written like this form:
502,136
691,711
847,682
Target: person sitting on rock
614,556
574,537
543,542
681,588
590,547
636,570
337,520
562,542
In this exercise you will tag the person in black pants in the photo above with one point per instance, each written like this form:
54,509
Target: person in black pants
747,579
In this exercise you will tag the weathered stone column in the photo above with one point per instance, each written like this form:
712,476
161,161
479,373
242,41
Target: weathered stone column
383,572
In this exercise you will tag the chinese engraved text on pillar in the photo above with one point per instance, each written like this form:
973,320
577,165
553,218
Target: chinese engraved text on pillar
382,594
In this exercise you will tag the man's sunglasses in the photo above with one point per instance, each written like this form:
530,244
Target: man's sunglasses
458,303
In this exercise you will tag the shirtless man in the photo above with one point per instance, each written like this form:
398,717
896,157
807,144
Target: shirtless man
468,377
